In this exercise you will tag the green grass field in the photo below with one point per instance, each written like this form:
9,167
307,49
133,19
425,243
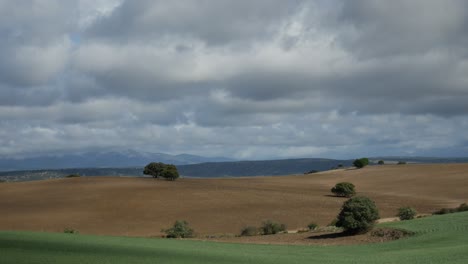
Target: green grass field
439,239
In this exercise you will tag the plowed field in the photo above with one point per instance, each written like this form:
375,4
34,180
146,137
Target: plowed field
143,206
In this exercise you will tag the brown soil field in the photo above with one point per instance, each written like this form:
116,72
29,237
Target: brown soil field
143,206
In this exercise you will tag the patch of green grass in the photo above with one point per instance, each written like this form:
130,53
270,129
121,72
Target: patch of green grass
438,239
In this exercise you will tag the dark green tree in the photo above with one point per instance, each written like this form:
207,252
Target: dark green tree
170,172
381,162
358,215
344,189
361,163
154,169
159,169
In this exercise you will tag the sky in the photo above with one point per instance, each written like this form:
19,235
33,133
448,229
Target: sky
253,79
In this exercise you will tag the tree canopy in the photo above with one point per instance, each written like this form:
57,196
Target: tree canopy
344,189
361,163
159,169
358,215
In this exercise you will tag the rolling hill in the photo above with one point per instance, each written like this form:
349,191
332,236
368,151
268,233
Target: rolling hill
143,206
438,240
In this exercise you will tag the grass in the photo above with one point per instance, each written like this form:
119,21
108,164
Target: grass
438,239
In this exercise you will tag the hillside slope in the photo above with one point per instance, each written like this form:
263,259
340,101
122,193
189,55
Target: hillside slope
439,239
143,206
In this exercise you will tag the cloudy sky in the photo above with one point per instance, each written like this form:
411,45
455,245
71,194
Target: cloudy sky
243,79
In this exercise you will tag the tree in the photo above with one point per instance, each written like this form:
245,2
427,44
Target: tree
159,169
406,213
180,229
170,172
154,169
361,163
381,162
358,215
344,189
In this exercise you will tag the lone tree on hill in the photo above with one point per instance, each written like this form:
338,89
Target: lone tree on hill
344,189
358,215
361,163
159,169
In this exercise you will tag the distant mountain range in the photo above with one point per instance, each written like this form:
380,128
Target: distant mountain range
121,159
210,169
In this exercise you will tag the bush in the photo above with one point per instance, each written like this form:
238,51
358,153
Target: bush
381,162
360,163
249,231
391,233
70,231
72,175
312,226
406,213
270,228
358,215
180,229
344,189
445,211
461,208
401,163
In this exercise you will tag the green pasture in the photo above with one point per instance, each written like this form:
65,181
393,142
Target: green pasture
439,239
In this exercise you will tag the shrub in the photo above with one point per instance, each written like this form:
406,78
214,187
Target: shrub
381,162
249,231
360,163
391,233
73,175
445,211
344,189
406,213
358,215
461,208
401,163
70,231
312,226
180,229
270,228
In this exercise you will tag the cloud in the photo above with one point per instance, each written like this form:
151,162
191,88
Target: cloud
212,22
247,79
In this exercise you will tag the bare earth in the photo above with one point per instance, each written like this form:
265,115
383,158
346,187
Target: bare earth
143,206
